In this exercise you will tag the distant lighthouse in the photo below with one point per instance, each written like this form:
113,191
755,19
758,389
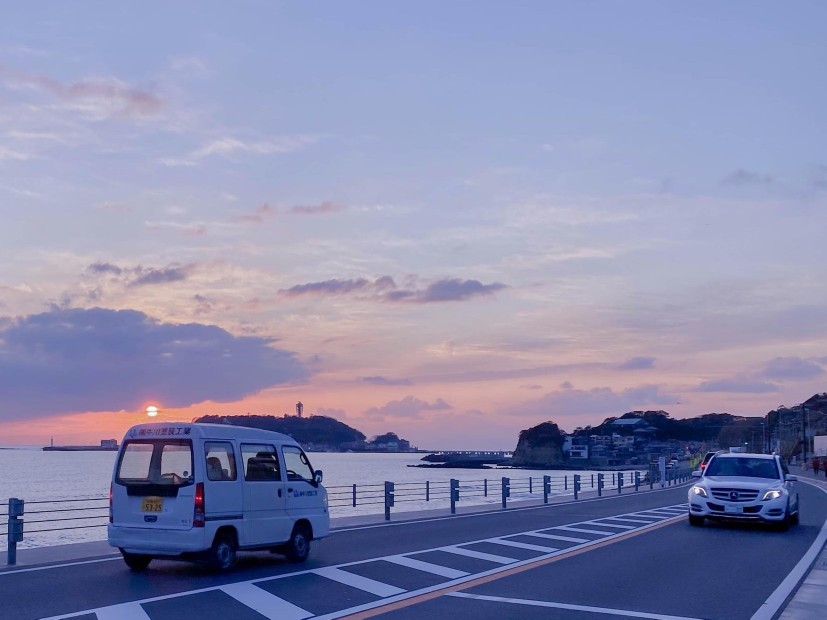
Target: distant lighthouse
299,408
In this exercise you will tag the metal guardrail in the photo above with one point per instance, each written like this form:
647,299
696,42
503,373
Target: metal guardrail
73,514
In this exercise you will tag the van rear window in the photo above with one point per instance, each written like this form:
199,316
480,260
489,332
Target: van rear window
161,461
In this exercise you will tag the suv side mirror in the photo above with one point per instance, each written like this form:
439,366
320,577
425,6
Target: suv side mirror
790,478
317,476
697,474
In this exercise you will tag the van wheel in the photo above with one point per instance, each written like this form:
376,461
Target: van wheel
136,561
298,547
223,554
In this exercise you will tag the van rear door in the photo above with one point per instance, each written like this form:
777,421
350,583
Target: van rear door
154,484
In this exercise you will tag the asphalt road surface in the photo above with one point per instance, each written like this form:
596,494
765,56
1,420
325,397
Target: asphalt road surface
631,556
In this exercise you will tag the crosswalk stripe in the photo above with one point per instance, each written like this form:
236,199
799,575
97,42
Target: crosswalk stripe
521,545
428,567
124,611
268,605
556,537
571,528
499,559
604,524
630,520
357,581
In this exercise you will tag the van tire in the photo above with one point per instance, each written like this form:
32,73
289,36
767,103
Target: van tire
223,554
298,547
136,561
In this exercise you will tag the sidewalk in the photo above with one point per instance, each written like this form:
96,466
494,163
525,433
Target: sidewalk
809,601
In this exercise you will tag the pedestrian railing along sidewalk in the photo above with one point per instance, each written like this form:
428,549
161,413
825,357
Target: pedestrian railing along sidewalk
67,515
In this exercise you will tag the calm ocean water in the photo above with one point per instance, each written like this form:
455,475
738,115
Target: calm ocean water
37,476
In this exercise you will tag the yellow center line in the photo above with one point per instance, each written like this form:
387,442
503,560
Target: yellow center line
508,572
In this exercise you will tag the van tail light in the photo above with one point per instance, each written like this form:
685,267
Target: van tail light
110,504
198,514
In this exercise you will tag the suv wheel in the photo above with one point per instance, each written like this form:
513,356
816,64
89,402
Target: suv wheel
696,521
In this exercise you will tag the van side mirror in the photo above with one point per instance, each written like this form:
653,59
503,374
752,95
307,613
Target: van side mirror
317,476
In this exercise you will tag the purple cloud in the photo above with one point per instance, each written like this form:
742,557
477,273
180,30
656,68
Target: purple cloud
454,289
160,276
328,287
76,360
408,407
791,368
324,207
737,385
569,401
385,381
638,363
741,178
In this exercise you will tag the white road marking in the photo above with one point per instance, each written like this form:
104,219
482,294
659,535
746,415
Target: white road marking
499,559
34,569
268,605
125,611
631,520
357,581
427,567
603,524
521,545
570,528
599,610
556,537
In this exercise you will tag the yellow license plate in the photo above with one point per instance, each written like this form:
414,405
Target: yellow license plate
152,504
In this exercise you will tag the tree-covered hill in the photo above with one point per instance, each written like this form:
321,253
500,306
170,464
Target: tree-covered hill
317,430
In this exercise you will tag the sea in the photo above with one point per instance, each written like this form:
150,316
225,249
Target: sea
66,493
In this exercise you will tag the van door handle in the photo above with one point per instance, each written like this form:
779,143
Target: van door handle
279,492
289,490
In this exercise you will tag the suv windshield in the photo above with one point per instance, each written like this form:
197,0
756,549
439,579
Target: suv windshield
745,467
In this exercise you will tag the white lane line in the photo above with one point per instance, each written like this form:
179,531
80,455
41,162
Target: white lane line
34,569
499,559
357,581
428,567
521,545
555,537
268,605
604,524
599,610
630,520
124,611
571,528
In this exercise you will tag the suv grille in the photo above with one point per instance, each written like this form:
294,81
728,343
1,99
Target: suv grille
735,495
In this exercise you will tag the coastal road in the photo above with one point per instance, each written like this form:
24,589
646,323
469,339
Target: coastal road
618,556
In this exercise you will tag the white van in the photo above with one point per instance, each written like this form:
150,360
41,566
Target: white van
204,491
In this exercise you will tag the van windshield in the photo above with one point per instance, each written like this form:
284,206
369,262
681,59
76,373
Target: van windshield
156,461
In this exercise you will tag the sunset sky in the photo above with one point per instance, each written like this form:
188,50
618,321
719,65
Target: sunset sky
449,220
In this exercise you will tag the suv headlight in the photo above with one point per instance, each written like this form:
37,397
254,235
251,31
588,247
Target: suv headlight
775,494
699,491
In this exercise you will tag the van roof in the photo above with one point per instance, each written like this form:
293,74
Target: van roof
204,431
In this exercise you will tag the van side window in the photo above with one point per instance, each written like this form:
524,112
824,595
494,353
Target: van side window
220,460
260,462
296,463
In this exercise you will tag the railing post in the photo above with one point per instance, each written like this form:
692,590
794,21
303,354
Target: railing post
546,488
485,487
599,485
619,483
506,491
637,481
530,485
565,483
15,529
389,499
454,495
576,485
354,496
427,490
592,480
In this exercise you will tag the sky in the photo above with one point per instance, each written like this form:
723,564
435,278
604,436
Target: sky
448,220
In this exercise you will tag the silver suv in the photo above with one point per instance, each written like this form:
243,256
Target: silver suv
744,487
